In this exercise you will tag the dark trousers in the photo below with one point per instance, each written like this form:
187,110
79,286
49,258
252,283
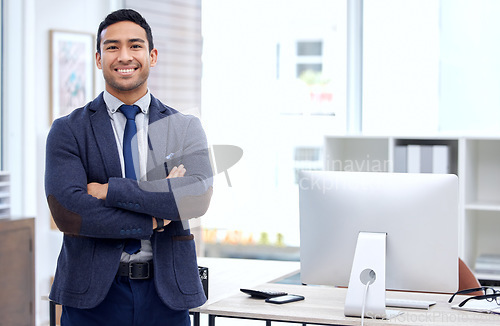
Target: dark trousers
128,303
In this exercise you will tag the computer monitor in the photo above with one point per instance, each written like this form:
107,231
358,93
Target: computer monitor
418,212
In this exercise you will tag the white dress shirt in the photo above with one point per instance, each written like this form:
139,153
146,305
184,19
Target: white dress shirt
118,121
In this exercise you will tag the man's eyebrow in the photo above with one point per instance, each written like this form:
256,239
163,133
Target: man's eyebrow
109,41
132,40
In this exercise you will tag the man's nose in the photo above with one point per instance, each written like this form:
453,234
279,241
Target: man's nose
125,55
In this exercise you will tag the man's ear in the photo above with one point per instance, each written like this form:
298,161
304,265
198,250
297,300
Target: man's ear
153,57
98,60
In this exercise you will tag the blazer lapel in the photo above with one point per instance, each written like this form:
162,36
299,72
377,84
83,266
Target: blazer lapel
157,140
106,142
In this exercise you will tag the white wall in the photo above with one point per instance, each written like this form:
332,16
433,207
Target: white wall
26,109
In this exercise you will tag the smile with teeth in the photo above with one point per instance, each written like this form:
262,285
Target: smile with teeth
125,71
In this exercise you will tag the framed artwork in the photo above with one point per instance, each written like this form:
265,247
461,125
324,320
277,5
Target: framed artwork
72,60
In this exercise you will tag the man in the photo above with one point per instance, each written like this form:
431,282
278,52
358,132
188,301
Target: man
121,190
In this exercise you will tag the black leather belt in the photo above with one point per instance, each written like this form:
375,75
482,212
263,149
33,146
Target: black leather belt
136,271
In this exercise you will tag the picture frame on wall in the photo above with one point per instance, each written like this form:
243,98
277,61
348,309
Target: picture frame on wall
72,72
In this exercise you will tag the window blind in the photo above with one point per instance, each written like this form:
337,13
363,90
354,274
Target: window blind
176,26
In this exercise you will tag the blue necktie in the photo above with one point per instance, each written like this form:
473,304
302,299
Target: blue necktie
130,149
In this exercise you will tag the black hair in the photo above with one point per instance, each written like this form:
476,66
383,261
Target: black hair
125,15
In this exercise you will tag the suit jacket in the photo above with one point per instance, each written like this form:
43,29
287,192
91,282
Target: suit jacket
81,148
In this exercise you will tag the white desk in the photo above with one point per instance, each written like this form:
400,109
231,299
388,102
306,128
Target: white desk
325,306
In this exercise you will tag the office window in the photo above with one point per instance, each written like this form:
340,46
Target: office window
309,58
307,158
313,48
304,68
400,66
274,85
429,66
307,154
309,64
469,68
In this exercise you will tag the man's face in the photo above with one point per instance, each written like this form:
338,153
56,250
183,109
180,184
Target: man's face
125,59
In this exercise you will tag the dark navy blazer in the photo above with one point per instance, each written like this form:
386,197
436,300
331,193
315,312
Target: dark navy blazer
81,148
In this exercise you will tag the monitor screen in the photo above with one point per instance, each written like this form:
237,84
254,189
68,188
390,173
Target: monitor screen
418,212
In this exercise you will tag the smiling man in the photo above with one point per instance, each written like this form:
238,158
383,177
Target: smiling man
123,175
125,58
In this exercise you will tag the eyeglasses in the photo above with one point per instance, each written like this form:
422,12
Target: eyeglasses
490,294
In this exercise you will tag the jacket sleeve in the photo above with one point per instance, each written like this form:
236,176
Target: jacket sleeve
74,211
175,198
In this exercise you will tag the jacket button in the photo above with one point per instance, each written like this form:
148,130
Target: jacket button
122,232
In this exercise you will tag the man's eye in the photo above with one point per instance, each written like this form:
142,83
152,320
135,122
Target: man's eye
136,46
112,47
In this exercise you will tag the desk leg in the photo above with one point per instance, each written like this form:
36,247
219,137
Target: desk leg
211,320
196,319
52,313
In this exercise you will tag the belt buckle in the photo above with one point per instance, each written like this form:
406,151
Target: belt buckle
142,277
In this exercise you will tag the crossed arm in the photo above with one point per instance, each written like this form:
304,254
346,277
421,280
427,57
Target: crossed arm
128,204
100,190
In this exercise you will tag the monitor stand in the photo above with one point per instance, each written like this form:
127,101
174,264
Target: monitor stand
366,291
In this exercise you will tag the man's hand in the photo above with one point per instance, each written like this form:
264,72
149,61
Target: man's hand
98,190
177,172
165,223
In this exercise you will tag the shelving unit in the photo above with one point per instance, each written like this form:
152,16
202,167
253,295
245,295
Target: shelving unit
475,160
4,194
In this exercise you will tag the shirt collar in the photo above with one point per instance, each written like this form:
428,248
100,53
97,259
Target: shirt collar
113,103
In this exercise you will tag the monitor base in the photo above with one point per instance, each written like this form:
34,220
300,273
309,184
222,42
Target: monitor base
366,292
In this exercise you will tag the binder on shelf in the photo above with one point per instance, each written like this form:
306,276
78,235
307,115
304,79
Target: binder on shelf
426,159
440,159
488,264
413,159
400,158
